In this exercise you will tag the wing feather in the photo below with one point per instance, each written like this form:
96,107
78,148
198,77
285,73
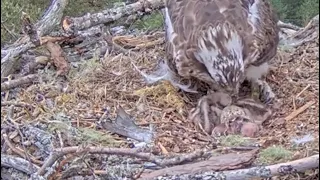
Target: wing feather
197,29
263,19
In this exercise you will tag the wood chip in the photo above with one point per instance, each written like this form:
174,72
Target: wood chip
299,111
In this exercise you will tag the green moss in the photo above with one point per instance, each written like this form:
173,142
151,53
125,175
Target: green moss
90,135
11,16
150,22
234,140
274,154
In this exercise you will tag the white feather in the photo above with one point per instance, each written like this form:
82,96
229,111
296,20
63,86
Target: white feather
222,9
164,73
256,72
302,140
168,23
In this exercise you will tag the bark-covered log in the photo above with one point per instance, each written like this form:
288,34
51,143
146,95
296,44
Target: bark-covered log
300,165
50,19
216,163
306,34
289,26
74,24
18,163
18,82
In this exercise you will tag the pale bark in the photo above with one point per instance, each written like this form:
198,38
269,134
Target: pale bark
300,165
306,34
18,163
75,24
18,82
289,26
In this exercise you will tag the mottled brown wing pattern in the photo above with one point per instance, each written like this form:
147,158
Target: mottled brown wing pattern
190,19
252,20
266,34
217,42
178,41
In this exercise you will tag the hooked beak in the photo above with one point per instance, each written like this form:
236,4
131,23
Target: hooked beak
233,91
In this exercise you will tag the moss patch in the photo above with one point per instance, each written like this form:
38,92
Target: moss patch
150,22
274,154
234,140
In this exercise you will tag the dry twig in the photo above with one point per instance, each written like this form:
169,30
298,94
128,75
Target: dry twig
18,82
17,104
59,152
18,151
299,110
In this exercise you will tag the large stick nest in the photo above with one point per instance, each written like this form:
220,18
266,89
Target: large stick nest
67,108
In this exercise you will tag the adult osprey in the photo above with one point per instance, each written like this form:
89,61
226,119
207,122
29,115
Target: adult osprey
221,42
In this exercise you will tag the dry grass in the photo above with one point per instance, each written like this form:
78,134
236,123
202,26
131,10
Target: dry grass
295,81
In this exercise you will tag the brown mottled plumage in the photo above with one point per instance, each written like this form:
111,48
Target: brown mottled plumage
221,42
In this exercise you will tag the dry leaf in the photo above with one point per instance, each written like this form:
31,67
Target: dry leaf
58,57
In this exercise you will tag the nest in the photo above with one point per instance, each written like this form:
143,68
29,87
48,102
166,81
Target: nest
96,87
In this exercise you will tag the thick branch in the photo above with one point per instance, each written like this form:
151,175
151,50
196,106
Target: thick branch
75,24
58,153
18,163
300,165
311,28
216,163
288,26
30,29
18,82
52,17
306,34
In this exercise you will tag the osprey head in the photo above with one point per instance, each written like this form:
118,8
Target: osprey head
220,49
